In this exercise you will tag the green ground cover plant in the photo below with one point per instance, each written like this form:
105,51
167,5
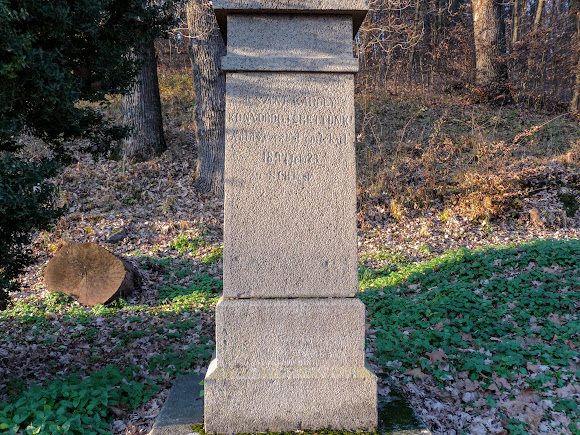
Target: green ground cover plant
184,244
497,313
508,312
128,352
76,404
214,255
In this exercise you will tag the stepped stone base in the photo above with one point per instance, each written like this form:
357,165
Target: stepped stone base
286,399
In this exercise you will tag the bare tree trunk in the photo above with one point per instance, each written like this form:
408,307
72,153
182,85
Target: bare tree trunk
412,51
206,50
574,106
488,37
142,110
454,7
516,21
538,14
575,103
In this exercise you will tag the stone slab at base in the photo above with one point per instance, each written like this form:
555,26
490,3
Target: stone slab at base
286,399
183,407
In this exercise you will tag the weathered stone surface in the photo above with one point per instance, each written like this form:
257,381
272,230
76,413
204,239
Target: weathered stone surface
290,332
316,44
233,63
285,399
357,9
293,5
304,36
290,204
182,409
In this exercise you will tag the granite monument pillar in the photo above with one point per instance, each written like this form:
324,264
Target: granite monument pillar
289,330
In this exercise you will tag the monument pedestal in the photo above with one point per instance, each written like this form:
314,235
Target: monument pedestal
289,330
280,399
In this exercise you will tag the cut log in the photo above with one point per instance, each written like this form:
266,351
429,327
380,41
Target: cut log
91,274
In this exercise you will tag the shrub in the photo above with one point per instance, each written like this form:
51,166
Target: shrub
58,59
55,54
27,203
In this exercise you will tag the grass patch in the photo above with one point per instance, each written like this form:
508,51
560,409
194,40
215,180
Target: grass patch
184,244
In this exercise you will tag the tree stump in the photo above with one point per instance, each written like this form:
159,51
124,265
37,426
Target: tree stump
91,274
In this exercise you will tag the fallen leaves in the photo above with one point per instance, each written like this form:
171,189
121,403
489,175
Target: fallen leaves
416,373
154,202
436,356
471,385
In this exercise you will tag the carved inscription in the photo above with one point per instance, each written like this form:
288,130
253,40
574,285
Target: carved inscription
297,101
285,119
295,167
286,122
290,159
326,138
289,176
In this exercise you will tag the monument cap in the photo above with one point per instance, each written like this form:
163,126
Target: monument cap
356,8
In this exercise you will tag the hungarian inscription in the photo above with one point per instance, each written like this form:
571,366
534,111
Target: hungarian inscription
249,118
289,167
288,134
290,159
297,101
256,128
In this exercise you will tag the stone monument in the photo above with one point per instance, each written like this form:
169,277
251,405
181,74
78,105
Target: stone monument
289,331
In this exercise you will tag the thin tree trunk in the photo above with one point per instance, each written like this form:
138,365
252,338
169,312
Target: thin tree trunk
501,42
441,17
142,110
538,15
516,20
575,103
455,5
206,50
435,26
416,28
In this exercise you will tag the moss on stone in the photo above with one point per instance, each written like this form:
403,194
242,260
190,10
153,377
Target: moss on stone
200,430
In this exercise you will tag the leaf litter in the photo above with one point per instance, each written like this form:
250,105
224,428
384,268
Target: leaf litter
155,204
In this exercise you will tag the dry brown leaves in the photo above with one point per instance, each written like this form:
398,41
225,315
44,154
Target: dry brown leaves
155,202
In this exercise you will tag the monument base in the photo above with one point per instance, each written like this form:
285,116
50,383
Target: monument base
318,332
243,400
